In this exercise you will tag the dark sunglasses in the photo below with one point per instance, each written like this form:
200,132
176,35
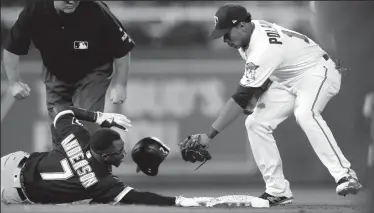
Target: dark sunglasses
115,153
68,2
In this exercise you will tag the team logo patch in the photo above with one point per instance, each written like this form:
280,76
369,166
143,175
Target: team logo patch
125,36
80,45
250,71
215,20
164,152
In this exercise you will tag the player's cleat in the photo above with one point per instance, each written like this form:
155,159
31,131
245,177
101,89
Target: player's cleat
348,185
274,200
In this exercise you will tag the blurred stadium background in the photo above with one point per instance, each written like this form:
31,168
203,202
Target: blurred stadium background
179,80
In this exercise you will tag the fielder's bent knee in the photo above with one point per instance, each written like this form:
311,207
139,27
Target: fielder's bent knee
304,115
254,125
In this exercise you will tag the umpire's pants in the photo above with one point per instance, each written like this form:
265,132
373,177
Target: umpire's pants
88,93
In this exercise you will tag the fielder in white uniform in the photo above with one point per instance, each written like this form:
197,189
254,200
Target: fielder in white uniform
304,80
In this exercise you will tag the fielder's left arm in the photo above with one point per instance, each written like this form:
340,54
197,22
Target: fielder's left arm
236,105
193,148
261,62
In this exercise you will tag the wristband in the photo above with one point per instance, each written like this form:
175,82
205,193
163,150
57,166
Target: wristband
213,133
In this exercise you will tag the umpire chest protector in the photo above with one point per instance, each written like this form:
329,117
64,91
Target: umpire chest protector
148,154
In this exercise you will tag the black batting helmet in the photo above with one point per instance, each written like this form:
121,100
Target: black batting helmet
148,154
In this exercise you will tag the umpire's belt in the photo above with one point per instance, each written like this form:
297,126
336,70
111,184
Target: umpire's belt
18,180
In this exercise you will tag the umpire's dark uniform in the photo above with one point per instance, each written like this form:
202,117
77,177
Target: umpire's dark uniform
77,50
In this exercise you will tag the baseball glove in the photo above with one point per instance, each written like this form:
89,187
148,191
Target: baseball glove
192,150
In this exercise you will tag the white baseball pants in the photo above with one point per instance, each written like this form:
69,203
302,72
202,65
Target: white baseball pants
10,177
306,99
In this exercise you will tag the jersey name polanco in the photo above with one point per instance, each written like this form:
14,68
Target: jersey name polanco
277,53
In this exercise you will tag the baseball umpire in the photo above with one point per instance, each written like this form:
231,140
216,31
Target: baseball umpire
85,52
80,167
304,80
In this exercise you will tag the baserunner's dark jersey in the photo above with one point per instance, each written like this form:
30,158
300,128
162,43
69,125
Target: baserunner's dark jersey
70,173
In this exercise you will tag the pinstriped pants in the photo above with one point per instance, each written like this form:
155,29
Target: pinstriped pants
306,99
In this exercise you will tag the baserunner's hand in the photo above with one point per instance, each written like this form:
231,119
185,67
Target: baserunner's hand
108,120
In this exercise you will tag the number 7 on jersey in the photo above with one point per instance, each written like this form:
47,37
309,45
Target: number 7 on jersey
68,173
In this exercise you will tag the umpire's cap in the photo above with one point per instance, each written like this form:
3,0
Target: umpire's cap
148,154
227,17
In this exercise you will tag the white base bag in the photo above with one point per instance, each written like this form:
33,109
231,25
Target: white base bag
233,200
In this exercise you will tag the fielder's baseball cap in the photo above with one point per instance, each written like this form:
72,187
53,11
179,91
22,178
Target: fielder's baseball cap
227,16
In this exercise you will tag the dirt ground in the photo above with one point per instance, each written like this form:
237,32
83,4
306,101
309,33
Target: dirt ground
307,200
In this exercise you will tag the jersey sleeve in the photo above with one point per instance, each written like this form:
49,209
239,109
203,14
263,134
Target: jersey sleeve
66,123
110,190
261,61
119,40
19,39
